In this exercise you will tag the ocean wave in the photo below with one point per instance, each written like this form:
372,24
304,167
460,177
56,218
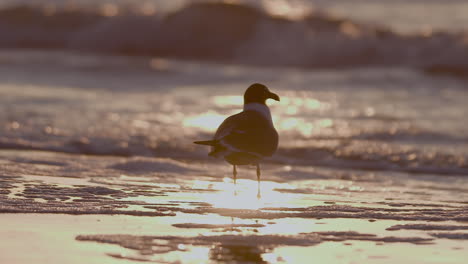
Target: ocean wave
377,157
233,33
351,153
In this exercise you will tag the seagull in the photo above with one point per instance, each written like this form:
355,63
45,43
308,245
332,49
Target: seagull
249,136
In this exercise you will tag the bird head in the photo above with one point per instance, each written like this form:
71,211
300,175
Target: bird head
258,93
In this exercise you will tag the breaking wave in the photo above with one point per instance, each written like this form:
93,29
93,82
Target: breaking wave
232,33
351,153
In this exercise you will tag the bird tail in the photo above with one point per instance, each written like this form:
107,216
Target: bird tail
217,149
207,142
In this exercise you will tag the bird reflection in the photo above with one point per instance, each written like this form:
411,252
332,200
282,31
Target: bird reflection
229,253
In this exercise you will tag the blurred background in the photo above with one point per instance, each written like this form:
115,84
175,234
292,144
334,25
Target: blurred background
366,84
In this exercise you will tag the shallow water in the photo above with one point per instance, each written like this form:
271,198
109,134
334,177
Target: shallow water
395,119
97,161
103,215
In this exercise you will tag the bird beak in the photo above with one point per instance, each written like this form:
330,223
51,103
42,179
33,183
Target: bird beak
273,96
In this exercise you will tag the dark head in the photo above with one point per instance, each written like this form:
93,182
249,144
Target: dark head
258,93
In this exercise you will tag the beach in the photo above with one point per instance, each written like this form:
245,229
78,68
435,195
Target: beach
333,215
98,165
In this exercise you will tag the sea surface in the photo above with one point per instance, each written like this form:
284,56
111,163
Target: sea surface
100,104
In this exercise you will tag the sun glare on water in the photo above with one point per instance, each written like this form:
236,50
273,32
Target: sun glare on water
243,195
229,100
290,114
208,121
289,9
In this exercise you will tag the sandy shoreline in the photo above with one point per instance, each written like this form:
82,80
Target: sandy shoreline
98,165
107,216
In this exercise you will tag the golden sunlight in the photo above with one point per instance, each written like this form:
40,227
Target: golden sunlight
289,9
230,100
208,121
299,124
290,106
109,10
148,9
243,195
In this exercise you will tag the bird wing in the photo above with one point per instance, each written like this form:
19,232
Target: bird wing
247,131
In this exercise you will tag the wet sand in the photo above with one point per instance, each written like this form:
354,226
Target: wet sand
102,169
60,208
97,163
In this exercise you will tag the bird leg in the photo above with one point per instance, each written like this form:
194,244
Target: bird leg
234,173
258,180
234,176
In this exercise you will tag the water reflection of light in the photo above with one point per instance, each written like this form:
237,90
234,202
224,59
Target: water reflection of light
289,123
141,124
243,195
109,10
313,104
290,9
289,115
198,255
285,115
208,121
292,110
302,102
273,258
325,122
229,100
181,247
299,124
148,9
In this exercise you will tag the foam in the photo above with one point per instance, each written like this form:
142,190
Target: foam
426,227
130,196
241,34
